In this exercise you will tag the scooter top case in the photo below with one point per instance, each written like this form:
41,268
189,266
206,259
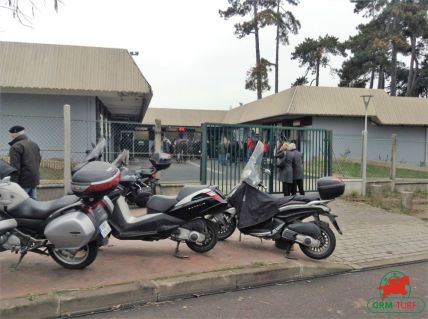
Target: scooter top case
161,161
95,180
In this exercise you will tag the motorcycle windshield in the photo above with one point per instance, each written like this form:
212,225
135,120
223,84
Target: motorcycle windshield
252,171
5,169
96,151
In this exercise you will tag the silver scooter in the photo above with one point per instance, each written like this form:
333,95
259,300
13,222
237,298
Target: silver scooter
69,229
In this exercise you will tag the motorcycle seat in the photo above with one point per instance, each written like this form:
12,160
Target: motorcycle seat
160,203
187,190
295,199
32,209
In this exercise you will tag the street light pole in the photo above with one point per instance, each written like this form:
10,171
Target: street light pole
366,100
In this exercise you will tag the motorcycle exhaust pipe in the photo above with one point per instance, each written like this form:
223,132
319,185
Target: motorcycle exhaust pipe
300,238
188,235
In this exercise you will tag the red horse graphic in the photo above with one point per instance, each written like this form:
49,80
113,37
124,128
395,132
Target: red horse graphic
395,286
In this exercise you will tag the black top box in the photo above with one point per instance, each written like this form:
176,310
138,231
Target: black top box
330,187
161,161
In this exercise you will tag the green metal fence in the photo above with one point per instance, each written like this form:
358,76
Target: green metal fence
225,153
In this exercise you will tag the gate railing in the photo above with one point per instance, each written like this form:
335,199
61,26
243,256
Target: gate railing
225,153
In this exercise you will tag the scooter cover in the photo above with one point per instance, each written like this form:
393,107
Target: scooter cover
252,205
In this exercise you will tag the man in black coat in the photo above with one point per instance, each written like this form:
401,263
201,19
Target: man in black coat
25,156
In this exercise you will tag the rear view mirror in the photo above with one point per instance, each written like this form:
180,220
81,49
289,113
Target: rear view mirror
267,172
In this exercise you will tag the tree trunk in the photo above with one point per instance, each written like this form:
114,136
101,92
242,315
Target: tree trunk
411,77
277,50
372,78
381,80
394,70
256,34
317,82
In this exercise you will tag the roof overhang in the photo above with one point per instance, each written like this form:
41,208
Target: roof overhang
127,106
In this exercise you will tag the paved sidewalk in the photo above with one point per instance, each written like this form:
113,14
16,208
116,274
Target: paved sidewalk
371,237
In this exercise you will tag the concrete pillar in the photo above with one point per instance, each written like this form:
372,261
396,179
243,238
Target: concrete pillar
406,200
393,160
376,193
67,149
158,135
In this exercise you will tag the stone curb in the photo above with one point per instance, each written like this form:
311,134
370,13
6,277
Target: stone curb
84,301
75,302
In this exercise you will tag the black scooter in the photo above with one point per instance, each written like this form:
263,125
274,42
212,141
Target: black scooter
139,185
180,218
283,220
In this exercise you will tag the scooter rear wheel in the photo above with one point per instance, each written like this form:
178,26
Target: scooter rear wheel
75,258
328,244
210,239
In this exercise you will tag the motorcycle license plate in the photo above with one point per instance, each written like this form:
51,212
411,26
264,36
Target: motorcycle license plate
105,229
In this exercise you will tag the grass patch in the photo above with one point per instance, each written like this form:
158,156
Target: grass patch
51,174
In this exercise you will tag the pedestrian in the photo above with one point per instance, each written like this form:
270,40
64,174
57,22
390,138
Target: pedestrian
250,147
285,169
297,161
223,150
25,157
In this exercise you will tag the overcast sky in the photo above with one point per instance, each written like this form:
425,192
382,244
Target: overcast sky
188,54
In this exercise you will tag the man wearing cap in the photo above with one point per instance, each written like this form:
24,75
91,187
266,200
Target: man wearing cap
25,157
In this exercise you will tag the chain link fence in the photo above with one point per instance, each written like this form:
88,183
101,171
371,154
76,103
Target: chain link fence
410,158
48,132
185,144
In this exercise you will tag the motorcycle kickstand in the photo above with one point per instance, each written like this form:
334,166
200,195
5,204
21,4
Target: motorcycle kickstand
15,268
177,252
287,252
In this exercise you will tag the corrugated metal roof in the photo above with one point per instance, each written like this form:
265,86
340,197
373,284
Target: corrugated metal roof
270,106
333,101
183,117
63,67
402,111
310,101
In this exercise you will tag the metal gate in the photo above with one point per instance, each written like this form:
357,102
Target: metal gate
225,153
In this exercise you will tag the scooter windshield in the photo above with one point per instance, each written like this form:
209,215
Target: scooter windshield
252,171
5,169
96,151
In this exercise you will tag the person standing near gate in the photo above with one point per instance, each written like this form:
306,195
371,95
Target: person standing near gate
285,169
297,162
25,156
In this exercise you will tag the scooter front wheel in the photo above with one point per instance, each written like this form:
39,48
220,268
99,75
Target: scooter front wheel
210,239
226,230
327,246
75,258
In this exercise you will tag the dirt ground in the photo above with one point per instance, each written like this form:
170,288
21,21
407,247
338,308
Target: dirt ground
392,202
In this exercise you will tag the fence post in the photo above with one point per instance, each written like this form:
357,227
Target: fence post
271,156
330,153
158,135
67,149
204,154
393,160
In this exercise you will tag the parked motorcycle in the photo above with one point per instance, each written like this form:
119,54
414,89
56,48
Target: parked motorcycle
69,229
182,218
139,185
283,220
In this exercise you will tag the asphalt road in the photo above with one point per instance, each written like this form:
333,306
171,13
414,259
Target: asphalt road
340,296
